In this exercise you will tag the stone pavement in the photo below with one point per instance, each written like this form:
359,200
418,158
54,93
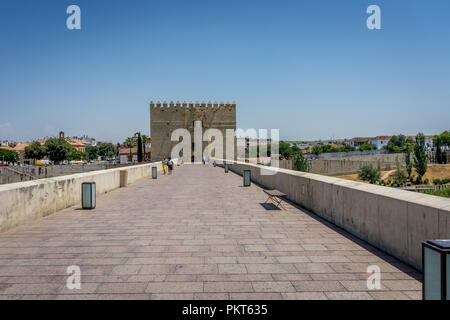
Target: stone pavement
197,234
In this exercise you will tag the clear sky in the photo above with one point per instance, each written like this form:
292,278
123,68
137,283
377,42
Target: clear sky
310,68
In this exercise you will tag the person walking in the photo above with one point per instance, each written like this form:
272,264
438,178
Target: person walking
164,165
170,165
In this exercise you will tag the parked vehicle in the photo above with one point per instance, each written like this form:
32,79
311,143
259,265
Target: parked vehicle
43,163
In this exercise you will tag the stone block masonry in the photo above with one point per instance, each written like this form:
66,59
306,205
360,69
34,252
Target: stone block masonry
165,118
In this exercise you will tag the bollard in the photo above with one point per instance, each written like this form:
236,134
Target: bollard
226,167
154,172
436,270
123,178
247,178
214,163
88,195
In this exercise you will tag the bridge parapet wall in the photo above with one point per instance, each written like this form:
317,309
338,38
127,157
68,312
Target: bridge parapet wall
24,202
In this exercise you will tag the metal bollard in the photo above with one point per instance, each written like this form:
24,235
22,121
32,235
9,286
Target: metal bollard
436,270
154,172
88,195
247,178
226,167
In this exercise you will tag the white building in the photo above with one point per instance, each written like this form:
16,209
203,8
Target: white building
380,141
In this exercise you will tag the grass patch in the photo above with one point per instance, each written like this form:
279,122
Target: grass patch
440,193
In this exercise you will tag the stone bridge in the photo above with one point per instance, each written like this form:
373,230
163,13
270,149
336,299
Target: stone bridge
196,234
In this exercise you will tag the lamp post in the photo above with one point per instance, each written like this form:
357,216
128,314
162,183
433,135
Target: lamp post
436,270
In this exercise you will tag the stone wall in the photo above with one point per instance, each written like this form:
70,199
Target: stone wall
165,118
26,201
340,166
395,221
26,173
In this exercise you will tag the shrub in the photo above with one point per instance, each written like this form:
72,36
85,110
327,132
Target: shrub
367,146
300,163
369,173
399,175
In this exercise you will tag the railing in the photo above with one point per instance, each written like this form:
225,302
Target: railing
16,172
423,188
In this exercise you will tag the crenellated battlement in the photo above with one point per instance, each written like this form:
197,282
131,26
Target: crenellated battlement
191,106
166,117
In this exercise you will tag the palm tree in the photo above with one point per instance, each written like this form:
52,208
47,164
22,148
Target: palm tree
130,142
145,140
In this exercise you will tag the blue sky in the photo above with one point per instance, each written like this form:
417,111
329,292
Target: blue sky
310,68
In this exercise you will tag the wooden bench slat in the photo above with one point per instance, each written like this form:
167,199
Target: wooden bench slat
275,193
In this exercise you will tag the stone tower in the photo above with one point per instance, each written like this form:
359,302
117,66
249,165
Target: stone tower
165,118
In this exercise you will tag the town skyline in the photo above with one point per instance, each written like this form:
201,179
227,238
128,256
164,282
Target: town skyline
101,140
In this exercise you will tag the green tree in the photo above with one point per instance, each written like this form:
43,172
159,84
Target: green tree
347,148
9,156
130,143
295,149
285,149
398,143
35,151
441,141
92,152
110,155
57,149
367,146
145,140
139,147
399,175
445,139
369,173
408,162
106,149
317,150
74,155
420,156
300,163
